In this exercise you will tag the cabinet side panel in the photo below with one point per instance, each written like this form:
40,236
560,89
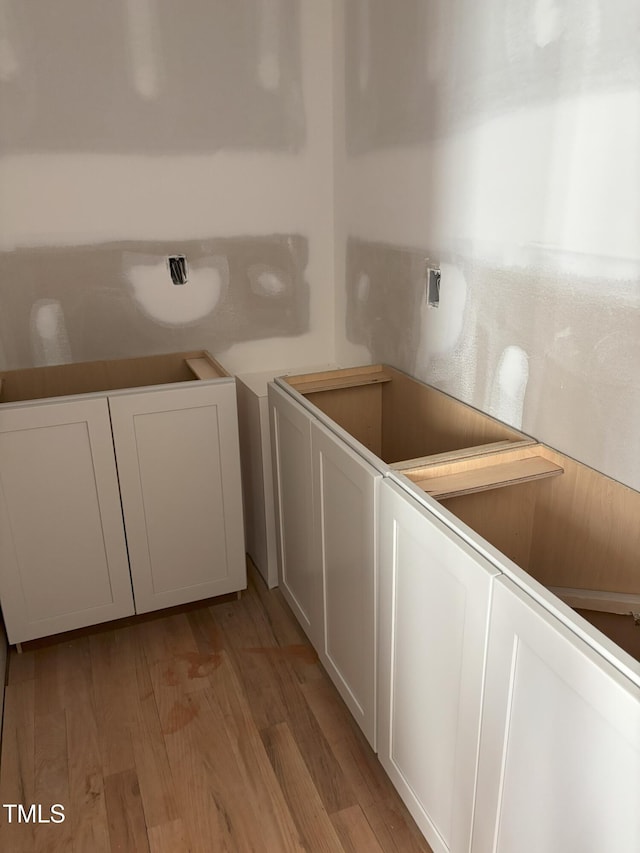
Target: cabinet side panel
268,496
252,465
292,439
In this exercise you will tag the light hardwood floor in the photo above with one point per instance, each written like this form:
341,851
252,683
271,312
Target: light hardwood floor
213,728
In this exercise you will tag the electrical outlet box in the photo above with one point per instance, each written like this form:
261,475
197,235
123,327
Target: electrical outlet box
433,287
178,270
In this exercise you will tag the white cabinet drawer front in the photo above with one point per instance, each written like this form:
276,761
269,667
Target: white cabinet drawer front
434,605
64,560
291,439
178,463
345,506
560,754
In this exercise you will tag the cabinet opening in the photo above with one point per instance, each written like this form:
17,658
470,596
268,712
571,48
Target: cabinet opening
63,380
621,628
399,418
577,534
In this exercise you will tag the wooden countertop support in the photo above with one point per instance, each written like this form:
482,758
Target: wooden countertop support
436,459
603,601
204,368
495,474
331,380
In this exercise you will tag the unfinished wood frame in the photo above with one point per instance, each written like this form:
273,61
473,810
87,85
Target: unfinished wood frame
399,418
601,601
577,531
419,420
464,476
62,380
566,524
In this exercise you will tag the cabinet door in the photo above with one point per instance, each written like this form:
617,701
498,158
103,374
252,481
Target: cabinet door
434,606
63,556
291,453
345,488
179,468
560,754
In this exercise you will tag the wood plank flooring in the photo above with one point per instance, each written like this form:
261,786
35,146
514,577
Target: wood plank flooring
213,728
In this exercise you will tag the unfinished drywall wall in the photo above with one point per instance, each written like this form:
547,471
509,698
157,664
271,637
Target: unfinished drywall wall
522,185
146,75
137,129
117,300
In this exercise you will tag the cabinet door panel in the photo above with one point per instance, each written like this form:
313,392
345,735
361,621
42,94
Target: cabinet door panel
63,553
345,505
291,446
560,753
178,462
434,605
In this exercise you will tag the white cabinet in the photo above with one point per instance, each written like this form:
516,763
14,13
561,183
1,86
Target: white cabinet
62,548
325,497
291,444
560,753
506,722
434,594
257,473
345,490
257,470
178,461
174,475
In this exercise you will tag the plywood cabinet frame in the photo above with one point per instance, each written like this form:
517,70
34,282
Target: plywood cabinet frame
575,528
567,525
117,375
395,421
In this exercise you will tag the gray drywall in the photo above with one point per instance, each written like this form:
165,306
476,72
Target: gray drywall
421,70
151,76
135,129
501,140
117,300
551,356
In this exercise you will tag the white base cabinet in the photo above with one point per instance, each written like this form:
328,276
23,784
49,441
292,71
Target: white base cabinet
559,763
505,721
325,496
502,730
163,459
435,596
